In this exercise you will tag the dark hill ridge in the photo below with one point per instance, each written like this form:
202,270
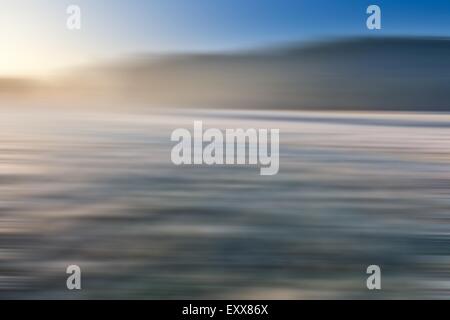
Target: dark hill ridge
373,73
347,74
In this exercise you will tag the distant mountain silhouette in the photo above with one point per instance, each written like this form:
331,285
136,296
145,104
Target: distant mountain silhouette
350,74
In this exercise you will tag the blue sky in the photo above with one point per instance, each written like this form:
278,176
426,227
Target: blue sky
37,37
220,24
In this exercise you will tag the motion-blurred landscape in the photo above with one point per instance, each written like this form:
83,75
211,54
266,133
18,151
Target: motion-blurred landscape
86,176
394,73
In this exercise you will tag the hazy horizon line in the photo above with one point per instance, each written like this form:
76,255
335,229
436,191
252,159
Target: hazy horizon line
251,49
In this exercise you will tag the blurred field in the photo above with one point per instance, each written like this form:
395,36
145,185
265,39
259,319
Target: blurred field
99,190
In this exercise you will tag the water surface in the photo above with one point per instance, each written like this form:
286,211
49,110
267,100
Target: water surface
99,190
